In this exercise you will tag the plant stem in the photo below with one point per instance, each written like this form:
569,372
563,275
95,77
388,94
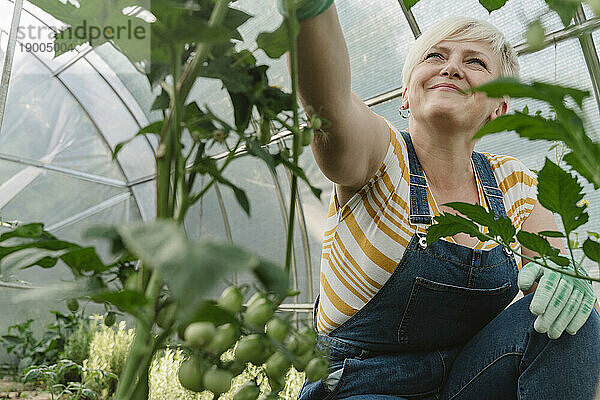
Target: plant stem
544,264
179,175
135,372
291,22
229,158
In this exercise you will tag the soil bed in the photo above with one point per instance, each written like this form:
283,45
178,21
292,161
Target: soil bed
10,389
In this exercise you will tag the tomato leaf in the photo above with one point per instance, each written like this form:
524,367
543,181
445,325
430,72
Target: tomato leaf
560,192
553,94
95,22
501,227
84,259
449,225
492,5
276,43
209,166
33,231
190,269
537,243
29,257
532,127
125,300
591,249
154,128
299,173
551,234
575,161
565,9
409,3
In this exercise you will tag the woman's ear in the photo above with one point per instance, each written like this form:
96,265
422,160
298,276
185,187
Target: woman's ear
404,105
500,110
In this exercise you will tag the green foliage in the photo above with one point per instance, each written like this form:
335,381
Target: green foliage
78,344
567,127
591,248
164,383
449,224
492,5
276,43
29,350
559,192
53,378
108,352
566,9
97,14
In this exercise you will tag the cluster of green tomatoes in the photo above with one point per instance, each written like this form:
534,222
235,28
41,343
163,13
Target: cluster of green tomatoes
260,338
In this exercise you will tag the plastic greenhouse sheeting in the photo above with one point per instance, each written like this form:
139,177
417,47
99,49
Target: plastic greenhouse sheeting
65,116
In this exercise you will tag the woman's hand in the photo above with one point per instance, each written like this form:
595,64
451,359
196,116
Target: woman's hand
561,302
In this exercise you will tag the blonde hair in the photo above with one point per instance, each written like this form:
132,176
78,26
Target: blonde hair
462,29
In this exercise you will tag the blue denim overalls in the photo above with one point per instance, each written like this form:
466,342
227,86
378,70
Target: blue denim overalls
404,340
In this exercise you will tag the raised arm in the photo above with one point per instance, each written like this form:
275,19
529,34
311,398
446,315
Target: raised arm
351,150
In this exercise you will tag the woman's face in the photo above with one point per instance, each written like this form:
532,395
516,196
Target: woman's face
433,93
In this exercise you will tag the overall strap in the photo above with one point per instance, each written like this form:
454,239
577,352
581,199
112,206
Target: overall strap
493,195
419,207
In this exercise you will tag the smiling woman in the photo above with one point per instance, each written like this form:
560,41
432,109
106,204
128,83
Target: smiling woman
404,319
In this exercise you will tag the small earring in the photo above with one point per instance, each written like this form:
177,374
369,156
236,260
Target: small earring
404,112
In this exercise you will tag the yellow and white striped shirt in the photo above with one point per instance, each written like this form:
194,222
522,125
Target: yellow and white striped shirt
365,240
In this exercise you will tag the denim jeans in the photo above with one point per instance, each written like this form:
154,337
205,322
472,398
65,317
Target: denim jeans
440,328
507,359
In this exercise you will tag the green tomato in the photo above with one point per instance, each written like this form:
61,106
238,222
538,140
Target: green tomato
247,392
250,348
166,316
277,329
316,369
316,123
231,299
277,365
199,334
110,318
302,360
305,344
190,374
73,305
258,313
235,367
217,380
256,297
276,385
536,35
307,136
308,333
292,344
225,337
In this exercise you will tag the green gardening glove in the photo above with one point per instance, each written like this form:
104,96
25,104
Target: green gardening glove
561,302
306,8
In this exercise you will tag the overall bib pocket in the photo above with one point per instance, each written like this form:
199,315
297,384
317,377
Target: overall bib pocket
440,315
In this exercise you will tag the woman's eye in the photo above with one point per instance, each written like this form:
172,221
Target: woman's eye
436,55
478,61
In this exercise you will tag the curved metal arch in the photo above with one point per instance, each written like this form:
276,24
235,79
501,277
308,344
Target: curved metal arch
586,41
82,54
93,123
8,57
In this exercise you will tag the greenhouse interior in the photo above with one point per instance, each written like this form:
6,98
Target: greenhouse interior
159,217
